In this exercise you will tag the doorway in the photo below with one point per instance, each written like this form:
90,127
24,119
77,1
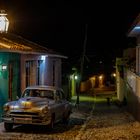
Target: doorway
10,69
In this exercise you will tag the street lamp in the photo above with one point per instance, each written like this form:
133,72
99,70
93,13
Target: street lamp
75,77
4,22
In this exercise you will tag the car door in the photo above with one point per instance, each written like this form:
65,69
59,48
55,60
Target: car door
60,105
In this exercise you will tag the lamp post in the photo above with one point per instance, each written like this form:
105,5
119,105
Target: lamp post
4,22
82,63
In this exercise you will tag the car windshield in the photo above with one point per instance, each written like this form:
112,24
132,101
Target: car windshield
38,93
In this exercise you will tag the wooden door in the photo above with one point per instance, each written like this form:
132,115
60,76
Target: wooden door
10,81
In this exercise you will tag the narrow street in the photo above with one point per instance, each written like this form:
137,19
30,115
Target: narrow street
92,119
110,122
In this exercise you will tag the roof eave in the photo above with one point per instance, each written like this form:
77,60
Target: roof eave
133,32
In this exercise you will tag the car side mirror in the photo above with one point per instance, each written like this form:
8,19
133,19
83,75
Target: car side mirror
56,98
17,97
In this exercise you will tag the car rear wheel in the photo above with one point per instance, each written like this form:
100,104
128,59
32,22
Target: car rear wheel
8,126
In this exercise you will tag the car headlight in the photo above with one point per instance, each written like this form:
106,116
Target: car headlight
45,110
6,108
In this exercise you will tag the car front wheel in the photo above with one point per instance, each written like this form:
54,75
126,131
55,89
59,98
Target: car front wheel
66,118
8,126
52,121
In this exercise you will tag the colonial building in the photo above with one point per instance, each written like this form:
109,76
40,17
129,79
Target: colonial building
129,88
24,63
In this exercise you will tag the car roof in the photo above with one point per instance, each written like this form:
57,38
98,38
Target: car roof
44,87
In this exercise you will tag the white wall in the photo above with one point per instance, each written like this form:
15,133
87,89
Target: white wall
53,73
49,74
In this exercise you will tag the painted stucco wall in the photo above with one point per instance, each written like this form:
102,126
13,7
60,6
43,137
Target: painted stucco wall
6,59
24,59
120,79
133,94
50,70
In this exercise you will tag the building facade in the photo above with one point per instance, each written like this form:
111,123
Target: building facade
131,72
24,63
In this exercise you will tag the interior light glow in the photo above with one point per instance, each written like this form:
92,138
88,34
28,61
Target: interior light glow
100,77
137,28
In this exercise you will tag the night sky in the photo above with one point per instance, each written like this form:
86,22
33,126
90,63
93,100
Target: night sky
60,25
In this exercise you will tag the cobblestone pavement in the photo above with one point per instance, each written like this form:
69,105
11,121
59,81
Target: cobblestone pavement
110,122
91,120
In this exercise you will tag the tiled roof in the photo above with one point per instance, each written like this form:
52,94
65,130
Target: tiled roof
14,43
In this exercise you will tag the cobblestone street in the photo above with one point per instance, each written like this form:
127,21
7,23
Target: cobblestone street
93,119
110,122
60,131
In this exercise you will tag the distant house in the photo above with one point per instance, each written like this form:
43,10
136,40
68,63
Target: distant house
24,63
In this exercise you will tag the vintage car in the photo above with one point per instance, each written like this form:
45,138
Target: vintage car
39,105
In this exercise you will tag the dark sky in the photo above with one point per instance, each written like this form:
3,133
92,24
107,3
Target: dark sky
60,25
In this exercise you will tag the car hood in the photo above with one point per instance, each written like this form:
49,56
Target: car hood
31,102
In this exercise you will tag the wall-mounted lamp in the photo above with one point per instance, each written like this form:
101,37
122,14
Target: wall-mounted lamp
75,77
4,67
43,57
4,22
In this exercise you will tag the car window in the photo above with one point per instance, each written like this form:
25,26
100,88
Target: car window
39,93
47,94
60,94
34,93
26,93
57,95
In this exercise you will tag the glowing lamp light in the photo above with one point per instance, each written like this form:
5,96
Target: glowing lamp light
43,57
100,77
114,74
4,22
75,77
